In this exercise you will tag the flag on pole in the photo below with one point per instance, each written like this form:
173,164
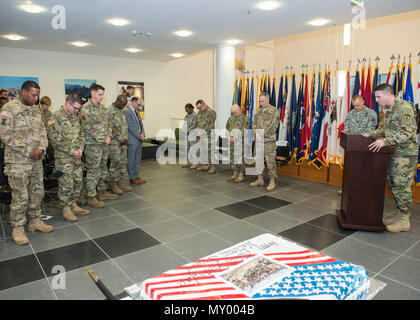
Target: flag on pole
345,106
388,78
292,115
356,88
298,127
417,106
316,127
285,110
303,121
280,103
362,82
408,94
375,106
331,154
368,88
323,141
273,101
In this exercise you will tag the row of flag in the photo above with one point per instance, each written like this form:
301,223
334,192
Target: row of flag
313,113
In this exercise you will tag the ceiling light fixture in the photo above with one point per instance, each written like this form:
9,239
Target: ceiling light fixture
14,37
233,41
32,8
319,22
118,22
177,55
183,33
133,50
268,5
79,44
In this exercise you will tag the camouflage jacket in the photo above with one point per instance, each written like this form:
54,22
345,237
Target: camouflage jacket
268,119
399,128
21,130
118,124
241,123
65,134
361,122
45,116
190,122
206,120
95,123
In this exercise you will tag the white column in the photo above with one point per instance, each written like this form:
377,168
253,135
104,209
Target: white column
225,77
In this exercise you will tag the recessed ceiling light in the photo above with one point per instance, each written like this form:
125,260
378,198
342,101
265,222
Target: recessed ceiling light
177,55
32,8
79,44
118,22
233,41
133,50
268,5
14,37
183,33
319,22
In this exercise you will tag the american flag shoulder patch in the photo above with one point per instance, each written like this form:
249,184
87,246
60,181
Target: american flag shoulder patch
6,114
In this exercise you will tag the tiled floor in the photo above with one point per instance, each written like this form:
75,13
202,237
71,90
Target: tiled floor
180,215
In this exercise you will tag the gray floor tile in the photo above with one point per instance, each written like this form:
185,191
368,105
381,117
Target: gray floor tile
9,250
58,238
170,230
396,291
404,270
291,195
184,207
198,245
236,232
37,290
371,257
150,262
273,221
95,214
129,205
323,204
149,215
165,198
209,218
215,200
106,226
414,252
299,212
79,286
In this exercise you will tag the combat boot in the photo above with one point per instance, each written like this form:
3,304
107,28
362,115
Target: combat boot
233,177
115,188
272,185
77,210
212,170
203,168
187,165
401,224
258,182
94,203
69,215
240,178
105,195
18,236
38,224
391,217
193,167
123,186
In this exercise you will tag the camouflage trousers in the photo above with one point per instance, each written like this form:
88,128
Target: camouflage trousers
400,177
27,184
96,167
118,167
71,182
235,166
270,158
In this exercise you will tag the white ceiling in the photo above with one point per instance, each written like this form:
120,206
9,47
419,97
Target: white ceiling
212,21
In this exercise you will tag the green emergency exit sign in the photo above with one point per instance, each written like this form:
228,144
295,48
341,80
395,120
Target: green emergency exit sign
358,2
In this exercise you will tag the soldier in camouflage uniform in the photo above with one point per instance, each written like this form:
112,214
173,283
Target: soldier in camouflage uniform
190,123
361,119
236,125
118,146
97,135
65,133
25,140
268,119
206,118
397,128
48,162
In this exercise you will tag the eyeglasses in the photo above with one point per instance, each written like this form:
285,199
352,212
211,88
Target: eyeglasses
74,106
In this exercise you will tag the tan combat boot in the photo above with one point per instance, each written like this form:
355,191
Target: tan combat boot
240,178
401,224
233,177
115,188
193,167
123,186
38,224
105,195
212,170
391,217
187,165
94,203
272,185
258,182
18,236
77,210
69,215
203,168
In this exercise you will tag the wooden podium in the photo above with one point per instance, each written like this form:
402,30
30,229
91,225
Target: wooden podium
364,180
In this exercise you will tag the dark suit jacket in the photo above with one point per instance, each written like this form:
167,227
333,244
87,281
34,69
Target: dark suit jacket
133,126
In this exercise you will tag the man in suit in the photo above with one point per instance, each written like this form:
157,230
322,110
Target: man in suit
136,136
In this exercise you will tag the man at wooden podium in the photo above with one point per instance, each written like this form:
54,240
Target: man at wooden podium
398,129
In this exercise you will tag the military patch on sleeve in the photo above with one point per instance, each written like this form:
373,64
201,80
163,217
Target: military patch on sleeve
81,114
51,122
6,114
